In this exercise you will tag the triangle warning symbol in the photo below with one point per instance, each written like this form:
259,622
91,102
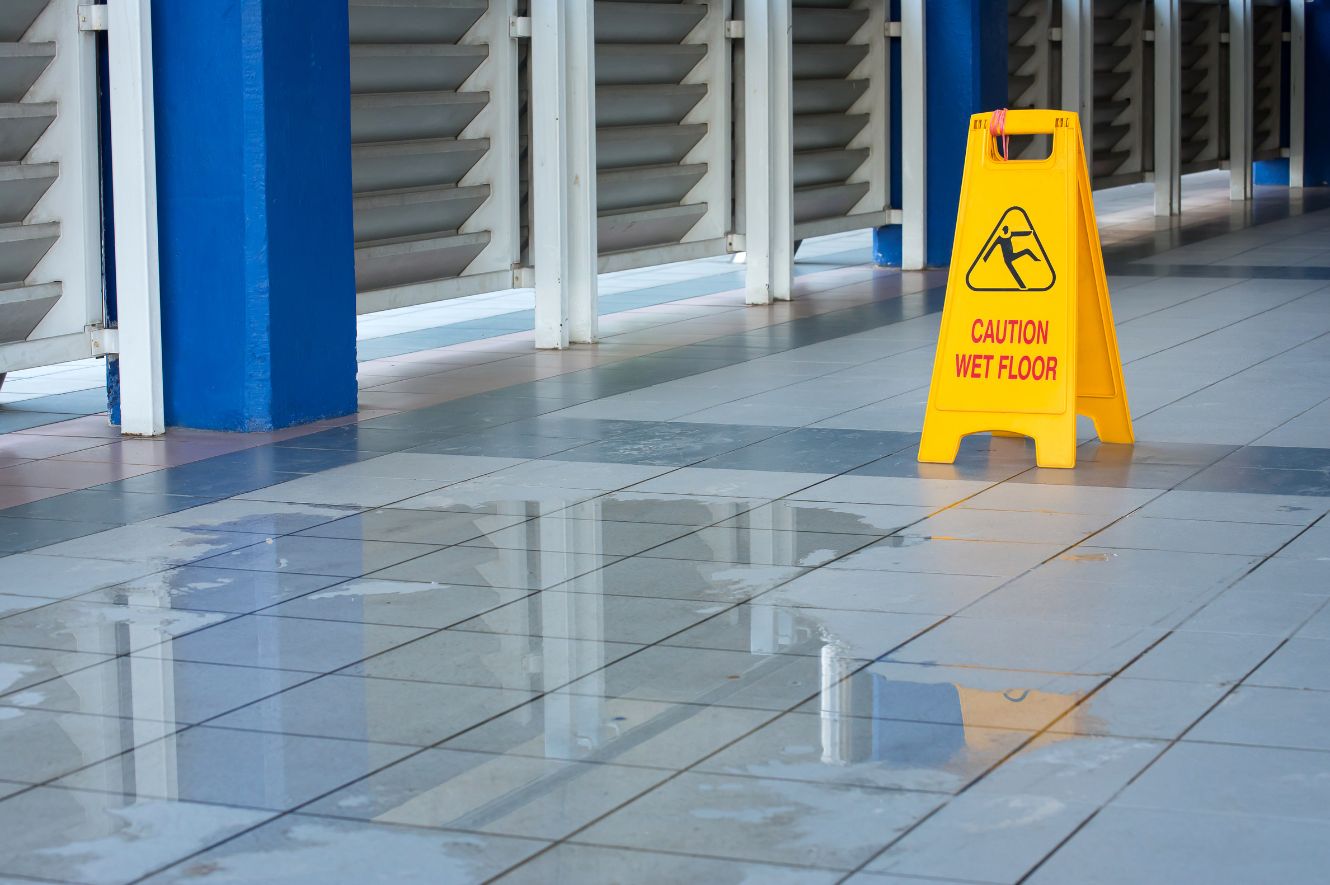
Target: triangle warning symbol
1012,258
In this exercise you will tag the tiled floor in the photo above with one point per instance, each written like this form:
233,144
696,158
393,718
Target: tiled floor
685,608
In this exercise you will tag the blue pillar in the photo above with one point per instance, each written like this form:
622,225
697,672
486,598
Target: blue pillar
967,74
1317,168
254,209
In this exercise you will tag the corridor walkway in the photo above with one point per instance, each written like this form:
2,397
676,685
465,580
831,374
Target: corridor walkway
685,608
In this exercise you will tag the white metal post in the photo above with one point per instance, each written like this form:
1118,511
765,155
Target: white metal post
768,150
134,179
1297,93
1078,68
914,136
563,177
1168,107
1240,99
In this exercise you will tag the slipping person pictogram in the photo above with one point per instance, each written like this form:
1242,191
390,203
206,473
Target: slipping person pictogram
997,269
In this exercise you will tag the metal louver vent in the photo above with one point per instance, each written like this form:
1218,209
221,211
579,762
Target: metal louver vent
661,94
1121,103
1031,64
832,100
1267,65
1203,95
24,179
425,160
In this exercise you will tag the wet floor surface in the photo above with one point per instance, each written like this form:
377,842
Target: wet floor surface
700,616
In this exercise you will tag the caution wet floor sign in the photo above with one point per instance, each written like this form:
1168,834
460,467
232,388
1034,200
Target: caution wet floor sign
1027,338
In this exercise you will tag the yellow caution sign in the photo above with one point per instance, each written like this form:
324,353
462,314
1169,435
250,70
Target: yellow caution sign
1027,338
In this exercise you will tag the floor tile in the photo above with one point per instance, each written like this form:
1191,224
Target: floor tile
98,838
592,865
1166,568
289,643
74,625
159,546
1256,614
20,534
684,510
1028,645
155,690
1085,500
619,730
202,588
413,526
253,517
399,603
483,792
21,667
873,591
962,523
730,482
1142,708
1237,507
683,579
315,849
345,491
1069,768
893,753
1273,717
337,557
1171,847
26,574
1216,658
828,516
556,533
589,616
383,710
495,498
754,546
481,567
820,825
226,767
941,555
934,493
1196,535
788,630
525,663
1299,663
44,744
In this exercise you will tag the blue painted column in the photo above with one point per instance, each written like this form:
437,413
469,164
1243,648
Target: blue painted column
1317,169
967,74
254,209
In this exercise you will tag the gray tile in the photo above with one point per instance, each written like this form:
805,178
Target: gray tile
1277,575
481,567
19,534
1028,645
868,590
1256,614
487,497
1141,708
302,850
1087,500
1170,847
820,825
1299,663
828,516
26,574
707,676
1272,717
497,660
401,603
730,482
73,625
421,466
246,768
683,579
1261,481
962,523
900,491
1195,535
345,491
43,744
21,667
201,588
1147,567
555,533
577,475
789,630
893,753
413,526
484,792
1222,779
1313,544
255,517
157,690
99,838
589,616
1071,768
597,729
1237,507
289,643
1037,597
384,710
686,510
756,546
1216,658
339,557
592,865
989,838
945,556
162,546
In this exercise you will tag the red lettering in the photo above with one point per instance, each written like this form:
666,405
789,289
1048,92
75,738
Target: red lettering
974,330
1052,361
1042,335
963,363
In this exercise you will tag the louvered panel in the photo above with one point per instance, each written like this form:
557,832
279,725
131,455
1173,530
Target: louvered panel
662,135
838,63
1204,86
1122,121
434,148
1267,65
50,229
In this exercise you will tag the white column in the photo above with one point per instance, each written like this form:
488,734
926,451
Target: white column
563,179
1297,93
1240,99
1078,68
768,151
134,179
1168,107
914,136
